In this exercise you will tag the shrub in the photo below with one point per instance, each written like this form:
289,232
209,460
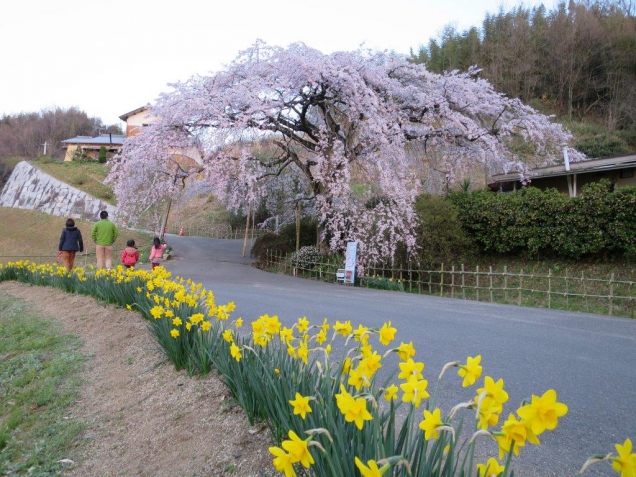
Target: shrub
547,223
102,155
603,145
308,233
440,235
268,241
383,283
307,257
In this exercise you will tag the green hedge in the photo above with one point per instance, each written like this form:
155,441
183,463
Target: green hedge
547,223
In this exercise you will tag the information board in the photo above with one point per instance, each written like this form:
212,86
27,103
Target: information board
350,262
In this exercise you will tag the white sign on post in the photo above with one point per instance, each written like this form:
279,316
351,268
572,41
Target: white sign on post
350,262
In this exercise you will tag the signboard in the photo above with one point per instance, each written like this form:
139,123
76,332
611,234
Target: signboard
350,262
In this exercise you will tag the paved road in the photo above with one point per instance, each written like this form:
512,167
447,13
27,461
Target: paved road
589,359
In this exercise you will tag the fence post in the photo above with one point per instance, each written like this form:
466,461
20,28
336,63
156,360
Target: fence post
506,283
549,288
463,284
567,290
477,281
453,281
520,285
490,276
611,294
441,280
587,308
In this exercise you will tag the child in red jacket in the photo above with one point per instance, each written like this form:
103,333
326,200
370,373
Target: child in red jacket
129,255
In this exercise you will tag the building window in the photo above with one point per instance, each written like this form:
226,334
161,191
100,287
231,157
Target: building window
627,173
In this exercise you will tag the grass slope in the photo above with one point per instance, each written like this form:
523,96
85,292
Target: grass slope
35,235
39,381
86,176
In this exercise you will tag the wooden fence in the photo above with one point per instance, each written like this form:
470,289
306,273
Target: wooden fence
563,290
220,232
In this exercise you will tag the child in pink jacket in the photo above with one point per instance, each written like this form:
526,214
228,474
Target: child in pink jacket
156,252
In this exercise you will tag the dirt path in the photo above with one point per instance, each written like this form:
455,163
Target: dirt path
143,417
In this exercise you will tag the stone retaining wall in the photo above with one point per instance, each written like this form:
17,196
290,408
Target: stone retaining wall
30,188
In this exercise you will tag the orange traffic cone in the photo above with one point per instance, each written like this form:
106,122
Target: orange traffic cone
181,232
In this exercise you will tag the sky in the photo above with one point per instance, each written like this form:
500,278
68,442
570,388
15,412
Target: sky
110,57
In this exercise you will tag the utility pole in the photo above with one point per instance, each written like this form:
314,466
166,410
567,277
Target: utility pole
44,153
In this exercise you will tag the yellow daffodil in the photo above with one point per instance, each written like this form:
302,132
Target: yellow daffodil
406,351
514,431
430,424
303,352
174,333
343,329
177,321
156,312
227,336
235,351
360,332
387,333
370,365
206,325
625,462
196,318
286,335
390,393
414,390
410,368
283,461
346,365
303,324
494,390
491,468
301,405
239,322
321,337
298,449
371,469
471,371
543,412
354,409
357,379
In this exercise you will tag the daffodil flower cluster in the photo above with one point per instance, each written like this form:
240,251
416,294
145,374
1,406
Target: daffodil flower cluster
288,377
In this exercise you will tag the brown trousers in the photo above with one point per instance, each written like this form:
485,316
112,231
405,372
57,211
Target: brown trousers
68,259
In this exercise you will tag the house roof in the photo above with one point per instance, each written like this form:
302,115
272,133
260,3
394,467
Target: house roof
593,165
125,116
104,139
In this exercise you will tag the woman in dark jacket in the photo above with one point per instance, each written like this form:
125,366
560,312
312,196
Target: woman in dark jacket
70,243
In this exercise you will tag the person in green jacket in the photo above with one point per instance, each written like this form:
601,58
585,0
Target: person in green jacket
104,234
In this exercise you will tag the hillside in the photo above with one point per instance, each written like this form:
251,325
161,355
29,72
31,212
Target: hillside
87,176
27,234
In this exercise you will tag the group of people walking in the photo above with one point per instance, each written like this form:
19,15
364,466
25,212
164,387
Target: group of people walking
103,233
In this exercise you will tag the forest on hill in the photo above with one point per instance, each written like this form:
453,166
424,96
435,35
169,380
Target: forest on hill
25,134
577,61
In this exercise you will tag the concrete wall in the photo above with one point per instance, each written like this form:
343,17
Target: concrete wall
30,188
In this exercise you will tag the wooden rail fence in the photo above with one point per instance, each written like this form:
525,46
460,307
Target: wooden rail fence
554,289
